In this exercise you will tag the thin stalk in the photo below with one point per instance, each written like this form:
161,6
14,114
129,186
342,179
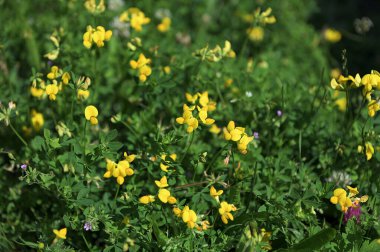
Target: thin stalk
191,184
18,135
191,137
85,241
341,220
117,193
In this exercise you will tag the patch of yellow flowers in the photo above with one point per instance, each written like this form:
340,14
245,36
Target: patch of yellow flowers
121,169
225,208
96,36
238,135
346,201
142,65
203,106
135,17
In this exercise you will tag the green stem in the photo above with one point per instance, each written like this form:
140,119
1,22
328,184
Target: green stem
18,135
341,219
117,193
85,241
84,145
191,136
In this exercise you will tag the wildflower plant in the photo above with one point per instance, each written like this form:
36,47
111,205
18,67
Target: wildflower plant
145,126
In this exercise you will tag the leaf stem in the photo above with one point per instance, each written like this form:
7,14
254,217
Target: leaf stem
18,135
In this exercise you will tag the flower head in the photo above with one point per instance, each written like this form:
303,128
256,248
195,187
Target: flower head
91,114
87,226
146,199
60,234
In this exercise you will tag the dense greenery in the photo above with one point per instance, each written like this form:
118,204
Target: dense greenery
99,153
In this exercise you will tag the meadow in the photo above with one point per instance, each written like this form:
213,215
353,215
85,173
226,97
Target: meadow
185,125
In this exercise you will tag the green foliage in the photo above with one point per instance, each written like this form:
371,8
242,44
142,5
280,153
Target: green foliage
278,86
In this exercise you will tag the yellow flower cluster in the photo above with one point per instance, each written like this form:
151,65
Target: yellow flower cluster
166,161
163,194
368,82
215,54
53,54
346,201
121,169
135,17
96,36
142,65
225,209
238,135
60,234
258,19
94,8
55,78
203,107
164,26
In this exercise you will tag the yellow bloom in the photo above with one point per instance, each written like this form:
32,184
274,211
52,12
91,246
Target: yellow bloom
215,129
256,34
164,195
225,211
164,26
189,217
97,36
37,120
335,73
142,66
332,35
61,234
341,103
167,69
353,191
164,167
214,193
136,18
203,116
162,183
233,133
243,143
91,114
191,98
172,200
94,8
111,166
130,158
369,150
177,212
52,91
83,94
66,78
340,197
54,73
370,81
37,92
146,199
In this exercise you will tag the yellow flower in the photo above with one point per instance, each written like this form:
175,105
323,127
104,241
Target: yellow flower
332,35
341,103
191,98
164,167
37,92
225,211
83,94
146,199
136,18
52,91
243,143
111,166
91,114
142,66
164,26
203,116
371,80
97,36
256,34
177,212
54,73
37,120
369,150
66,78
61,234
162,183
164,195
233,133
373,107
215,194
340,197
189,217
167,69
353,191
335,73
94,8
130,158
215,129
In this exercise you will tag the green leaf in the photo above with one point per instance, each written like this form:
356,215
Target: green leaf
314,242
38,143
161,237
374,246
